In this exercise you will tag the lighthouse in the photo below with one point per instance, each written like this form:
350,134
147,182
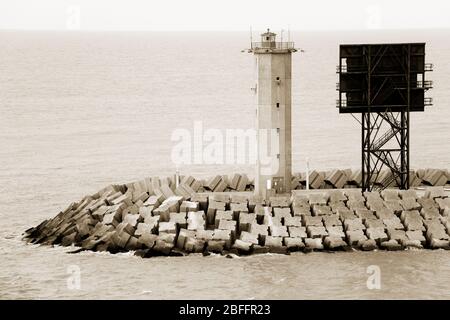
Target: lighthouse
273,115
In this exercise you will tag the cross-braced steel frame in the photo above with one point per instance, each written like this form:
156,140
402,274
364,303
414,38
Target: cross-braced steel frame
384,79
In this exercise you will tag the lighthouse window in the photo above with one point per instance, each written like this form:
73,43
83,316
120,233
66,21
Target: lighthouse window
267,38
278,104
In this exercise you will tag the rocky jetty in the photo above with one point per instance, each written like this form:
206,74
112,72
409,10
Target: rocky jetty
153,217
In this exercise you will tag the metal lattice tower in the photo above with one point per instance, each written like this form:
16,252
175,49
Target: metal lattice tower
383,82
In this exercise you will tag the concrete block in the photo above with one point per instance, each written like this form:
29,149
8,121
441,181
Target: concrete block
167,227
335,206
331,221
167,237
227,225
406,243
397,235
356,204
336,178
416,236
294,244
369,245
391,245
239,199
249,237
120,239
212,183
314,244
427,203
183,235
297,232
242,246
216,246
143,228
260,249
126,227
131,219
280,201
300,200
243,182
302,211
163,211
312,221
315,180
204,234
227,236
393,223
196,220
443,203
238,207
375,205
245,219
282,212
145,212
390,194
334,243
321,210
365,214
259,229
187,206
374,223
222,215
435,177
122,199
354,224
179,219
318,199
385,213
316,232
293,221
410,204
272,221
346,214
273,241
336,232
278,231
440,244
356,238
154,201
435,192
221,186
430,213
194,245
110,218
162,247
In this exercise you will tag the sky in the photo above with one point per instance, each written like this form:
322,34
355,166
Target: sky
226,15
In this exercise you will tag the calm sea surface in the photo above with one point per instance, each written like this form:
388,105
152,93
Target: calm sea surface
79,111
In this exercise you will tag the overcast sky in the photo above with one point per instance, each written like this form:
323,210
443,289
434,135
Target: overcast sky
223,14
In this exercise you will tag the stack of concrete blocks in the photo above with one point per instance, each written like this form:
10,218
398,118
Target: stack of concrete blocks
274,215
335,238
149,217
434,204
216,202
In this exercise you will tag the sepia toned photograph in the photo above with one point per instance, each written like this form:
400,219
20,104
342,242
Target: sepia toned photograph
245,151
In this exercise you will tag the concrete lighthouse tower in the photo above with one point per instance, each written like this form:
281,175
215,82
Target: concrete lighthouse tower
273,90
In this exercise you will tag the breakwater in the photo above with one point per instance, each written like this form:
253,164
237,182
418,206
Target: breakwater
155,217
